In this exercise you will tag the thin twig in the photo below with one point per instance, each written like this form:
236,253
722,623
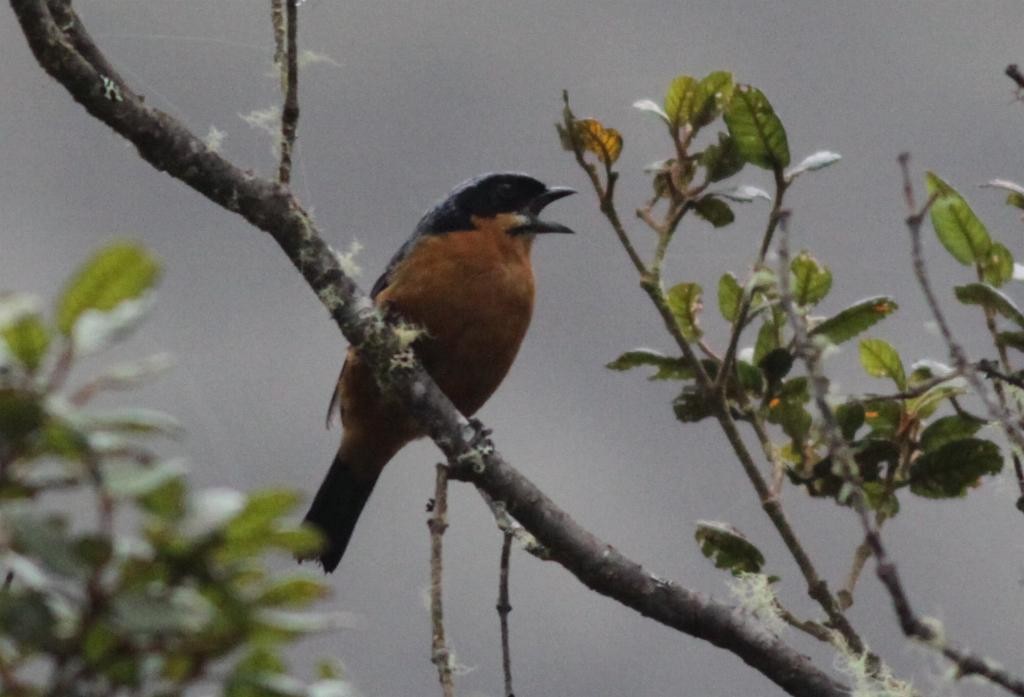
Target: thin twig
1013,72
809,627
781,185
509,526
819,384
280,39
967,663
440,656
860,557
290,113
504,607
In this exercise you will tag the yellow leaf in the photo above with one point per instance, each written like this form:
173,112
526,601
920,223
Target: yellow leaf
606,143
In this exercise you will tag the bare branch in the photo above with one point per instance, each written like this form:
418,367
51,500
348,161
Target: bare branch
440,656
967,663
504,607
290,113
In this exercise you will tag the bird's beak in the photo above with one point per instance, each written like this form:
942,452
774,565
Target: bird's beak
539,202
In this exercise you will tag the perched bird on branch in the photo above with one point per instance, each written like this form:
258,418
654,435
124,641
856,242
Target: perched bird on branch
464,282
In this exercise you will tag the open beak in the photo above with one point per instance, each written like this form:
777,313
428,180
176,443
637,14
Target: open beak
535,225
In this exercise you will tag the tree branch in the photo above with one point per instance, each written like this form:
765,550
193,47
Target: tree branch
504,607
72,59
440,655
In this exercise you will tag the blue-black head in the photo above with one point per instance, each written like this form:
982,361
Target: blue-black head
491,195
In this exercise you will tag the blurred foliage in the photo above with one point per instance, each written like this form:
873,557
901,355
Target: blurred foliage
919,438
160,587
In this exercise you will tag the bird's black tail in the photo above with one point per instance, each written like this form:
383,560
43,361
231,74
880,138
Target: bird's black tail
336,509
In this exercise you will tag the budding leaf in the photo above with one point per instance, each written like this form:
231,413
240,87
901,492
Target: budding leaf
684,300
653,108
997,265
819,160
730,297
811,280
27,338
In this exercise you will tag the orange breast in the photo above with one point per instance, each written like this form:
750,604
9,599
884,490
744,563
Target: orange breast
472,292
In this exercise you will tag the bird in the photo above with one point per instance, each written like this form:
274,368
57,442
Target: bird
464,282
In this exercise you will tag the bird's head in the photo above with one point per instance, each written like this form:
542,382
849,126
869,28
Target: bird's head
511,200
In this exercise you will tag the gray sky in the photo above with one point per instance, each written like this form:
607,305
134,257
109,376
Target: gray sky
418,96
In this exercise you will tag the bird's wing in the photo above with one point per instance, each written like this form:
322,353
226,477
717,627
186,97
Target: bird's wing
378,288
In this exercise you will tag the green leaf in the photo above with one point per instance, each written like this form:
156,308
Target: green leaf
132,480
750,377
883,417
811,280
1015,199
166,502
684,301
723,160
759,134
787,408
850,417
776,364
681,100
27,338
991,299
855,319
148,611
296,591
29,620
669,368
128,420
730,297
713,93
21,413
728,548
262,510
767,340
958,228
997,266
880,497
948,429
692,405
925,405
881,360
1012,339
949,470
714,210
43,538
119,272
